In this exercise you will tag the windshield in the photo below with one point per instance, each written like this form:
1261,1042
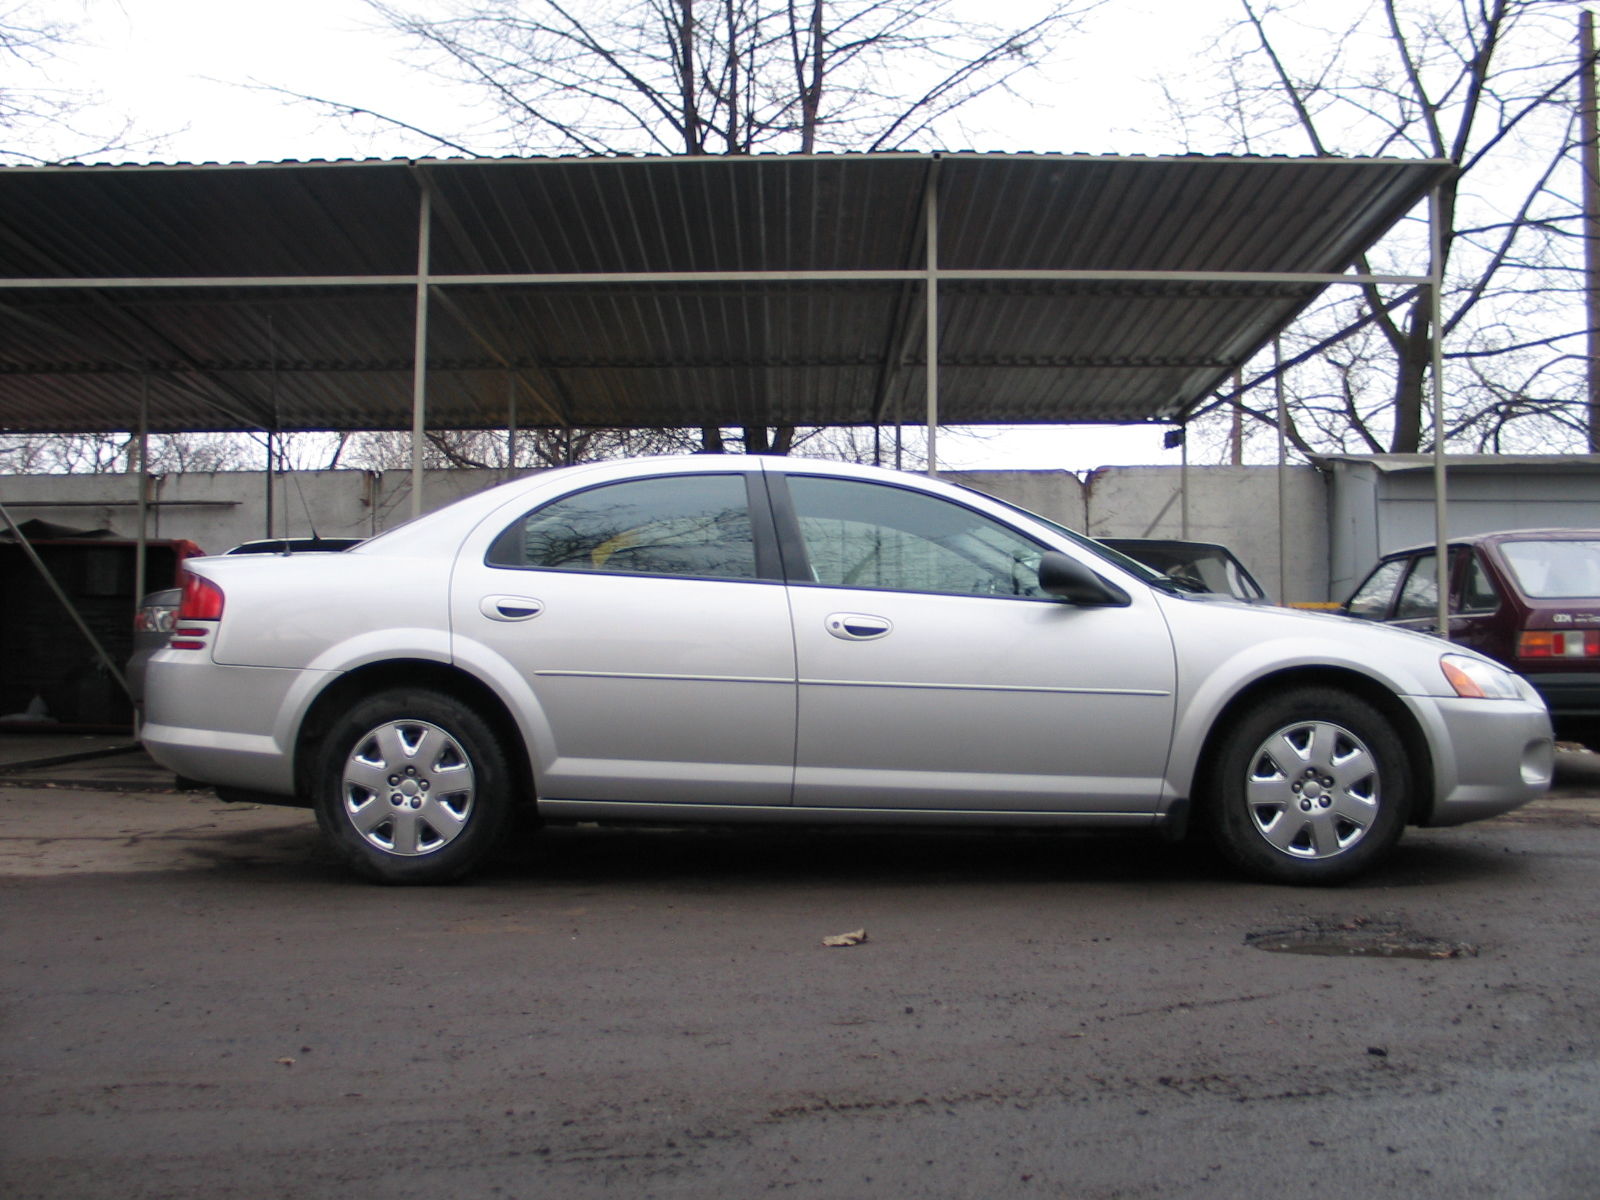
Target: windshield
1548,570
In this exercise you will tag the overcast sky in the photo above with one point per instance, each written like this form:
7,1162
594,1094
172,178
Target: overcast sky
183,70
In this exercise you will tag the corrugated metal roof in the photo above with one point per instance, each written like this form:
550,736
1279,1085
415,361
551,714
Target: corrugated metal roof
283,295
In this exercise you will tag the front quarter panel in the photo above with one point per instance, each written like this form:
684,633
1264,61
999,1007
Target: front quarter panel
1224,650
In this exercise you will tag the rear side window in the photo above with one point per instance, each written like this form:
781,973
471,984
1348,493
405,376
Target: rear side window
696,525
1371,599
1478,592
1549,570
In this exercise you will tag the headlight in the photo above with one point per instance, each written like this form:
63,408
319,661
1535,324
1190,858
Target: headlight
1475,679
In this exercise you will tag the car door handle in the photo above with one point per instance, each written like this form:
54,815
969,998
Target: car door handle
857,627
510,608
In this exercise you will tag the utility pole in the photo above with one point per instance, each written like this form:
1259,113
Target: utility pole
1591,216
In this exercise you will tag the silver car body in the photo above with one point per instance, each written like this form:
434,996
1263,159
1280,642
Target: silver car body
772,698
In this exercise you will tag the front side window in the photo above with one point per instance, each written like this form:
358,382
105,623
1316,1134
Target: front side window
695,525
870,535
1371,599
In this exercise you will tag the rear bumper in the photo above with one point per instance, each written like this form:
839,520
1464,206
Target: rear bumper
232,726
1569,693
1489,756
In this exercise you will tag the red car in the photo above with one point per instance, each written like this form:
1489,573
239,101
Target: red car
1527,597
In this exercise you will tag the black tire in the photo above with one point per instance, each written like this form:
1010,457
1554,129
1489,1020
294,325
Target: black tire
1310,787
412,787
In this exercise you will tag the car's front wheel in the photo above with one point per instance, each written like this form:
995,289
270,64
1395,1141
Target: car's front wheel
412,787
1311,786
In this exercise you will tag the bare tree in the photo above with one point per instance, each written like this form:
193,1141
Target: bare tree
40,121
727,77
1486,84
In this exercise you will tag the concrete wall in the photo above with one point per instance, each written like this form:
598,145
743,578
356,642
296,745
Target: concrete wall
1234,505
223,508
1237,506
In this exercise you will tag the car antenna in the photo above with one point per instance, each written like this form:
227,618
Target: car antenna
311,523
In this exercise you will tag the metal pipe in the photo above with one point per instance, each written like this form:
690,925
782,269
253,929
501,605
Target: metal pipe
1183,481
931,327
1441,524
271,445
419,364
552,279
1283,469
511,424
139,545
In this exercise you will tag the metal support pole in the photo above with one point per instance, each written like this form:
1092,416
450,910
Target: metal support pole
1283,470
511,425
1236,438
931,335
419,366
1441,525
139,546
1183,481
271,454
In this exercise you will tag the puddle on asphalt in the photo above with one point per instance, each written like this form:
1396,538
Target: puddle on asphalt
1359,939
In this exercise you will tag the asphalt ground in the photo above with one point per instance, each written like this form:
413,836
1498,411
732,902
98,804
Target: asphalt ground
198,1001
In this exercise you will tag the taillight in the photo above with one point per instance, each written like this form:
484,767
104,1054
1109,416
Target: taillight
1550,643
154,618
202,601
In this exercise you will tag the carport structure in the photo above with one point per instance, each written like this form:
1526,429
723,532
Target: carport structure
871,290
651,292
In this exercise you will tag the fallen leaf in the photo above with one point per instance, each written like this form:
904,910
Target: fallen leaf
854,938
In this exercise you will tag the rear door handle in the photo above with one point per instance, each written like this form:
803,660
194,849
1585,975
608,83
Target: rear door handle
510,608
857,627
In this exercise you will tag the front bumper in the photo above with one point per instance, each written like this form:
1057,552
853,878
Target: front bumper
1489,756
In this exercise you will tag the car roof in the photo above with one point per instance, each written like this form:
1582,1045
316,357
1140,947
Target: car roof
1500,535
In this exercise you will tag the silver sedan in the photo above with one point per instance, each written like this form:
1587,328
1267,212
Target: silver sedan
766,639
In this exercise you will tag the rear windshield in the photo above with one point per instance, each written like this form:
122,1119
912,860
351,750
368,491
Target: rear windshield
1549,570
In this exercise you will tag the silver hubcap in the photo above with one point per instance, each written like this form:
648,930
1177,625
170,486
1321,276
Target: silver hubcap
408,788
1313,790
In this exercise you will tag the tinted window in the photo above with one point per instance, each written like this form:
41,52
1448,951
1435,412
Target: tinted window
1420,596
868,535
1555,569
676,525
1371,599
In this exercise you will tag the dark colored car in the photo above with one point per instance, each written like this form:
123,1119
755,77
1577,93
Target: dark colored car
1529,598
297,545
152,627
1200,566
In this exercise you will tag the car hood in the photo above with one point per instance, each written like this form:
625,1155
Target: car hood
1209,631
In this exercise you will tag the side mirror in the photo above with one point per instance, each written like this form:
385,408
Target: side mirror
1066,577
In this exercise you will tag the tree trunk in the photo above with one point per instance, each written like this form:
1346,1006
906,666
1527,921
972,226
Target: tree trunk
1415,354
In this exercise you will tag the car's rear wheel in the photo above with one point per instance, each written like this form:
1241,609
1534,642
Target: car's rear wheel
1311,786
412,787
